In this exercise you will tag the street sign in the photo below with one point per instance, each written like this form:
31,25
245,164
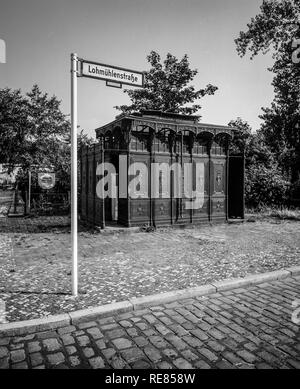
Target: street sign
112,73
116,77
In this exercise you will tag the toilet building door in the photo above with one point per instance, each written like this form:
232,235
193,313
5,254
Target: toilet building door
236,183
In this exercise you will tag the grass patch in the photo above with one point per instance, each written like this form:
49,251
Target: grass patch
279,214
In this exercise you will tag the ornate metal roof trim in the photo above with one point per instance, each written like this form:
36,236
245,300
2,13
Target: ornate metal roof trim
162,123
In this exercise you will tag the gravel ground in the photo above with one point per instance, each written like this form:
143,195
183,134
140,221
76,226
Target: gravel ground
35,268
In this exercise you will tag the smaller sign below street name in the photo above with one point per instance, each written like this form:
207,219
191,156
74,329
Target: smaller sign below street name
112,73
114,84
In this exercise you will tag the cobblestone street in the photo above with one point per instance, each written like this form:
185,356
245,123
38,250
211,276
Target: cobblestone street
242,328
35,268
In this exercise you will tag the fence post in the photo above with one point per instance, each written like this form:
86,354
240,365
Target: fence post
25,203
15,199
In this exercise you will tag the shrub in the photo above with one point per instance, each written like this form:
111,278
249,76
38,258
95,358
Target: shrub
295,194
265,186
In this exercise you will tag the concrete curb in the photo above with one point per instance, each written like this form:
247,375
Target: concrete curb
102,311
35,325
167,297
251,280
294,270
52,322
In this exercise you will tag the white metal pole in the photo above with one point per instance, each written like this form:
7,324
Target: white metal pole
74,173
29,189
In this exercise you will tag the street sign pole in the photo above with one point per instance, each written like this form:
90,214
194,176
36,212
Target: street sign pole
114,76
74,173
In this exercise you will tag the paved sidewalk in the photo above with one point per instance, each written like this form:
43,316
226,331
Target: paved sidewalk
242,328
35,277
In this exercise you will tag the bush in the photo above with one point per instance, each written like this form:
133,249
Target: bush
295,194
265,187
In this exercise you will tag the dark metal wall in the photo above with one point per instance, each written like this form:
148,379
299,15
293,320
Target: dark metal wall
236,204
158,211
91,207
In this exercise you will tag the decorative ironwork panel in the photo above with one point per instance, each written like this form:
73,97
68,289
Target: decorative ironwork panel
218,189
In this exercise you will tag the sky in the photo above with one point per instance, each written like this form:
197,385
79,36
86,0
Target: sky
40,35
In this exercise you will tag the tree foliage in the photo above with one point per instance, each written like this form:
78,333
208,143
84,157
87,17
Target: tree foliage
265,185
35,134
33,130
13,121
240,137
61,167
167,87
273,29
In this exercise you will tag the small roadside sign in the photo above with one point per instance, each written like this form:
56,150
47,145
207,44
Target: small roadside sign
114,84
111,73
46,180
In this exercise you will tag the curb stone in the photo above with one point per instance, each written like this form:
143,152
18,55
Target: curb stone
135,303
294,270
77,317
251,280
167,297
34,325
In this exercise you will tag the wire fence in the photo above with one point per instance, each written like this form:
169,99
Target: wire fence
49,204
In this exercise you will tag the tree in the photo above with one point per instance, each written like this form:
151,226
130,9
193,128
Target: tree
34,134
274,29
33,130
59,159
48,130
167,87
240,137
13,122
264,183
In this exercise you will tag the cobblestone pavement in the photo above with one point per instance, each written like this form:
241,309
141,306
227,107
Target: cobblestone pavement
35,275
242,328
